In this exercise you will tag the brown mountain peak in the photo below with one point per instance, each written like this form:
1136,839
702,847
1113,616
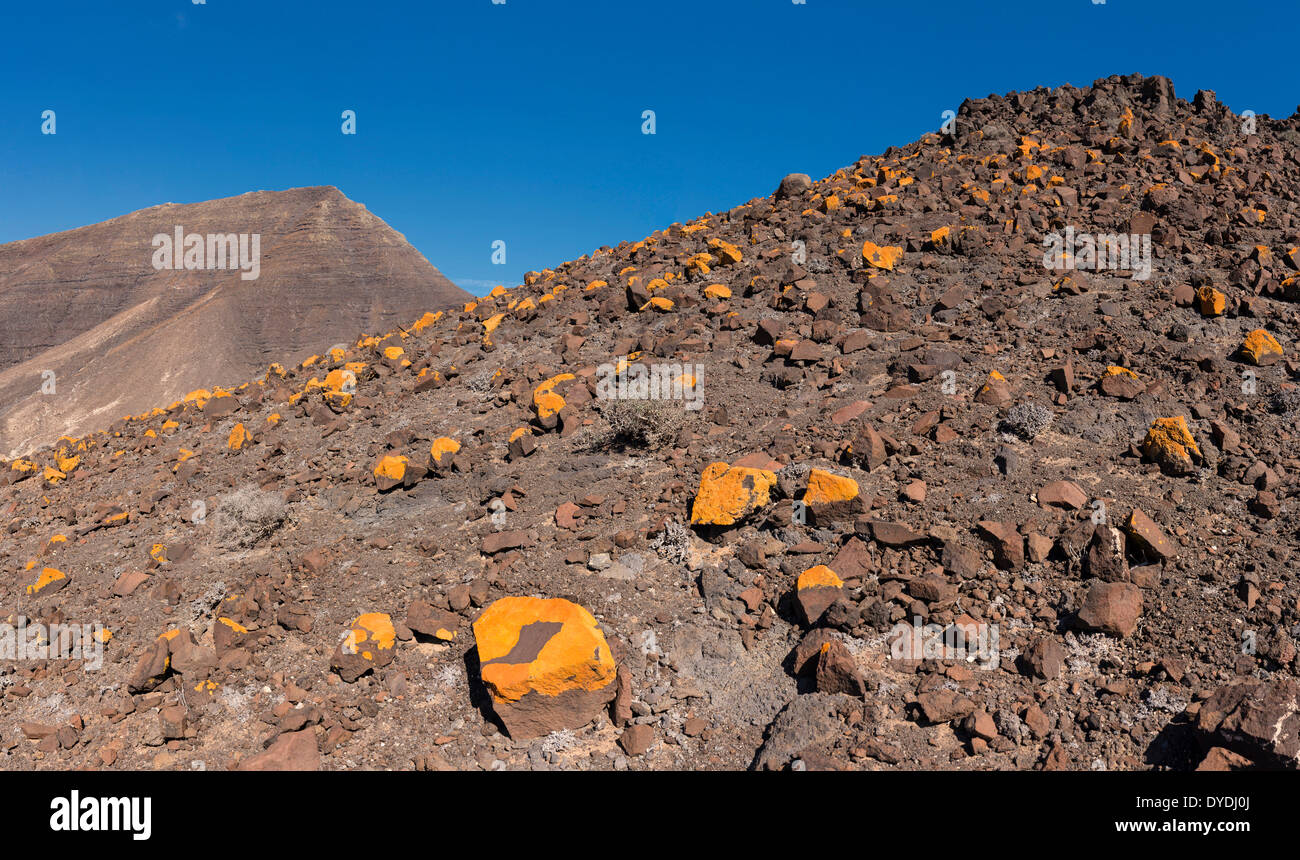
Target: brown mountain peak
121,335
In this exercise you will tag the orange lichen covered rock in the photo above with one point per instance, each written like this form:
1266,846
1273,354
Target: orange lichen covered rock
339,386
368,644
442,451
816,589
658,303
1120,382
50,581
238,436
521,443
1261,348
828,488
545,662
726,253
547,403
1212,302
390,472
881,256
995,391
20,469
198,397
700,262
425,321
173,651
1170,444
829,494
228,635
490,325
728,494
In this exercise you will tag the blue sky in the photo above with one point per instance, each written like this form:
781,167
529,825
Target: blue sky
523,122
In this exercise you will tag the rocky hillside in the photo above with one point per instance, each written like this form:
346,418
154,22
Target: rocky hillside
472,542
93,331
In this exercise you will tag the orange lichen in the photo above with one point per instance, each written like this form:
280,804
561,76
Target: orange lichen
729,493
659,303
700,262
1212,301
825,488
236,627
1170,441
574,656
374,630
425,321
442,446
726,252
881,256
490,324
545,401
1258,345
391,467
820,576
47,576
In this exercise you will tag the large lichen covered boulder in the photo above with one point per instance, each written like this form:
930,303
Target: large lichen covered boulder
546,664
728,494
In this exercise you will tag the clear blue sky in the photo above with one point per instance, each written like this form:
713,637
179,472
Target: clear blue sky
522,121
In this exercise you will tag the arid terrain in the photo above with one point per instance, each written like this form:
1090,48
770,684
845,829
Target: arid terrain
94,332
453,545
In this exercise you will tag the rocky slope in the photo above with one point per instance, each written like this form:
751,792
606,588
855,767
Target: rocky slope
93,331
447,546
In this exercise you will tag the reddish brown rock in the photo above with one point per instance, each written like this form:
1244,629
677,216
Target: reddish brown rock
1063,494
1149,536
1257,720
290,751
942,706
1008,545
636,739
1044,658
1113,608
428,620
837,672
894,534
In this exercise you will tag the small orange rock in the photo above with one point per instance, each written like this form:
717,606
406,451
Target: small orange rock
1261,348
1212,301
1170,444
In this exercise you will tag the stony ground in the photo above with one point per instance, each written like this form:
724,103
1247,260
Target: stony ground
903,411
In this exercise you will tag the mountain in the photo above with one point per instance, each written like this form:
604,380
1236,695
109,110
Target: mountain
713,499
121,336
